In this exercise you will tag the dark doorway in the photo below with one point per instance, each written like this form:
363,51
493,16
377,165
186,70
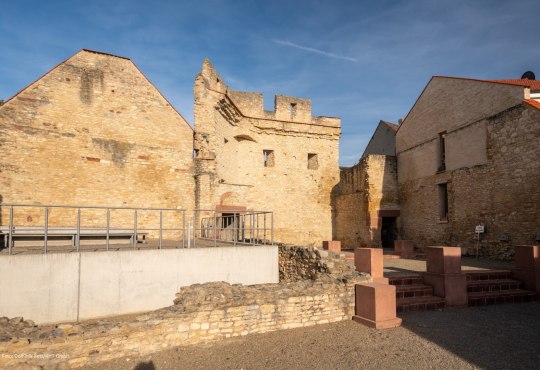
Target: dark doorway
388,232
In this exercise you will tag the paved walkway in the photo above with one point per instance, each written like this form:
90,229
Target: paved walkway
419,264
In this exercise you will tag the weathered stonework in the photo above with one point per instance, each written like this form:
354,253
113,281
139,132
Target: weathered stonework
285,161
491,167
202,313
363,192
93,131
308,263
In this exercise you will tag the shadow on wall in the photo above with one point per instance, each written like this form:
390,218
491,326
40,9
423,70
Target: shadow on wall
365,206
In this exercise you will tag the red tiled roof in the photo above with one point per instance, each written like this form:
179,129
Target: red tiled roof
533,84
532,102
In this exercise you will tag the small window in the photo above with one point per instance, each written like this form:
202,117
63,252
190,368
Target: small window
268,158
442,190
312,161
293,108
195,153
442,152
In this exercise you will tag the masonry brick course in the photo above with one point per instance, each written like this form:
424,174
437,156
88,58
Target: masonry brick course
363,191
93,131
232,132
492,168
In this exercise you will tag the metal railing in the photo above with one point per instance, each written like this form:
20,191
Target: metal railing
46,230
234,227
105,223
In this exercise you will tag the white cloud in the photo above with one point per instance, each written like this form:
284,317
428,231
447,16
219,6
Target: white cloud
316,51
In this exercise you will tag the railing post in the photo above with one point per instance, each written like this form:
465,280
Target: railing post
183,228
108,226
272,228
135,231
235,235
252,228
264,226
257,225
78,236
215,224
11,228
194,228
46,227
160,228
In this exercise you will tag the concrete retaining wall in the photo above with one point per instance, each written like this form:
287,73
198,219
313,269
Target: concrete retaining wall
67,287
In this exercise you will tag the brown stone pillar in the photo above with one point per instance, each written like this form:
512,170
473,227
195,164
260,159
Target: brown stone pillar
376,305
443,265
527,268
404,248
370,260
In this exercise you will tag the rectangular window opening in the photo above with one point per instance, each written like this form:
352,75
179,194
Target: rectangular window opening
293,108
195,153
312,161
268,158
442,152
442,190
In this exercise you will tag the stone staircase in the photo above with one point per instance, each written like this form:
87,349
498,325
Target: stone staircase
413,295
486,287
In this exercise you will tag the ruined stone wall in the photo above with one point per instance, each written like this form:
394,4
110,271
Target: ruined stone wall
202,313
94,131
364,191
307,263
234,136
501,192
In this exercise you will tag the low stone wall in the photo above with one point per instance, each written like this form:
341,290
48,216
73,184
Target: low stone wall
301,263
202,313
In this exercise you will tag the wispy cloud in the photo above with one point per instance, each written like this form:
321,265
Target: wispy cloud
316,51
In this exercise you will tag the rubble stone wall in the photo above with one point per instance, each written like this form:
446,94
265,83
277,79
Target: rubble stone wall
363,191
202,313
501,192
285,161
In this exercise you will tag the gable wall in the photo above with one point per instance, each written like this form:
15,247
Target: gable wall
94,131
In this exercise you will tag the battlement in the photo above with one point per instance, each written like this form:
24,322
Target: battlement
251,104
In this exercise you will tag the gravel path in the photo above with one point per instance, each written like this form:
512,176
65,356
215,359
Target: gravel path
491,337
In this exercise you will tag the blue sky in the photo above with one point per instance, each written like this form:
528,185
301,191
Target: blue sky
359,60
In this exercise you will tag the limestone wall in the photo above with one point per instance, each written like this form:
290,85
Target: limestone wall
363,192
93,131
448,103
202,313
500,192
284,161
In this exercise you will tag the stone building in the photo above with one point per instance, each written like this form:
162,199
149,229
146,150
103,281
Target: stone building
93,131
366,206
285,161
467,155
383,141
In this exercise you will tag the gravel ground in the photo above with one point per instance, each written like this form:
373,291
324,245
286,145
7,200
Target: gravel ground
491,337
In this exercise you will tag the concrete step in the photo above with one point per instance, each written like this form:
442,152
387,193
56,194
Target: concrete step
405,279
419,303
493,285
502,296
476,275
413,290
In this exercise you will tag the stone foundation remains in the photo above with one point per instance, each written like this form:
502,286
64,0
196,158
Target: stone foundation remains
201,313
